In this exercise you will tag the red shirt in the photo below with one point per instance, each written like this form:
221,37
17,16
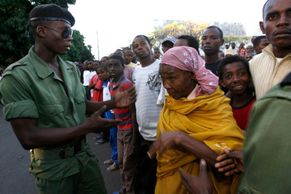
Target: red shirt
97,94
241,114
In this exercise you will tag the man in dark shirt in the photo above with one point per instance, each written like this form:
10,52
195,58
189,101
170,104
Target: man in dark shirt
212,39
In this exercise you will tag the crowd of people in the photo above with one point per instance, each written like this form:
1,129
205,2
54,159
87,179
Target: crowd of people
188,117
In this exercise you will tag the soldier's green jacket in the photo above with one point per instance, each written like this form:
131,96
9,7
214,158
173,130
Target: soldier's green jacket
30,89
267,155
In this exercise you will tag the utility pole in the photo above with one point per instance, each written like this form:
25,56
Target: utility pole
98,56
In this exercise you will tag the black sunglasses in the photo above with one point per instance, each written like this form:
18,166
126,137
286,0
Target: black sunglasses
66,33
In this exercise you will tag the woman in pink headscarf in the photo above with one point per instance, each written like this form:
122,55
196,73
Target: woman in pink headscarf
196,122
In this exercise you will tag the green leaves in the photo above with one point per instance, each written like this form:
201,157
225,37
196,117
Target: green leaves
14,36
79,51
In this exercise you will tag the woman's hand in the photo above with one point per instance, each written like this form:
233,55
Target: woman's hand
166,141
197,184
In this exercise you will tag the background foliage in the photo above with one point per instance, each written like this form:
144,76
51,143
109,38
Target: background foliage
233,32
15,40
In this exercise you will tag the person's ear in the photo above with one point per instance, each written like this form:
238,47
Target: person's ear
40,31
262,27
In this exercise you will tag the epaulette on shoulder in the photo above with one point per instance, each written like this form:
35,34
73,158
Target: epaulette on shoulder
286,81
10,68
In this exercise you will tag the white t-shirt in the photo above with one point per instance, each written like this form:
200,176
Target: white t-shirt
106,92
148,84
87,75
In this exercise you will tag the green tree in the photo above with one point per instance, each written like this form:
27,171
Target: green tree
231,29
62,3
79,51
233,32
14,39
176,28
14,34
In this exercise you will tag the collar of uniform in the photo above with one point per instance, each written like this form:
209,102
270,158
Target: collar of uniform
286,81
41,67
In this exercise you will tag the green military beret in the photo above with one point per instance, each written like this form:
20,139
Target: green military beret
51,12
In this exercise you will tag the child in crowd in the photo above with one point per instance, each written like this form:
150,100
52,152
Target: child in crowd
125,134
95,85
101,93
88,73
259,43
128,64
234,74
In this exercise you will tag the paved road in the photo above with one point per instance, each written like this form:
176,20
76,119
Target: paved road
14,163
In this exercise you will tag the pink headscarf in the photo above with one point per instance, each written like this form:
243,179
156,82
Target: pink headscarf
187,59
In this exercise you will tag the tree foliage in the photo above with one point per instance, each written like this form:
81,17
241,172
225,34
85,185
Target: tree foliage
79,51
14,41
14,36
62,3
176,28
233,32
231,29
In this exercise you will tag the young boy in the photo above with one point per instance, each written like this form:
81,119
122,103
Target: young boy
101,93
234,74
126,127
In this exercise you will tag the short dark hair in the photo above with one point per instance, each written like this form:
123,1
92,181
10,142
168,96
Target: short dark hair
102,66
256,41
144,37
264,7
216,27
117,57
192,41
231,59
168,44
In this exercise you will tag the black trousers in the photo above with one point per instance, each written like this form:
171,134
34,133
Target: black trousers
145,176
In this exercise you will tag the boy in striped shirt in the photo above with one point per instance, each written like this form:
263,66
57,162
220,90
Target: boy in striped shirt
127,126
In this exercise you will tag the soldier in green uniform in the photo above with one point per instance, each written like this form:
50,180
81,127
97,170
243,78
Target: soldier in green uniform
44,101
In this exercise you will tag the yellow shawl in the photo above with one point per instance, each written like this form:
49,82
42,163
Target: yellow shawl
207,118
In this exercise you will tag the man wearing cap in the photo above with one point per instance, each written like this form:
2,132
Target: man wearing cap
168,43
44,101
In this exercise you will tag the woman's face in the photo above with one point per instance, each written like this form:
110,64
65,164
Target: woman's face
178,83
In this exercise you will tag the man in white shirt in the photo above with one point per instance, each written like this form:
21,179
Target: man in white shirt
148,84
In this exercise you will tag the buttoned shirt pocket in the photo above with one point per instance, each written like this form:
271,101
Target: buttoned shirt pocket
51,115
55,109
80,102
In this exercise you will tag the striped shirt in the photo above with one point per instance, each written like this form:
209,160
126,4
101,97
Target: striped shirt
267,70
122,114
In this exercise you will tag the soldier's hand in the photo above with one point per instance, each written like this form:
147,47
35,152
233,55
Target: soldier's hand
95,121
124,98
